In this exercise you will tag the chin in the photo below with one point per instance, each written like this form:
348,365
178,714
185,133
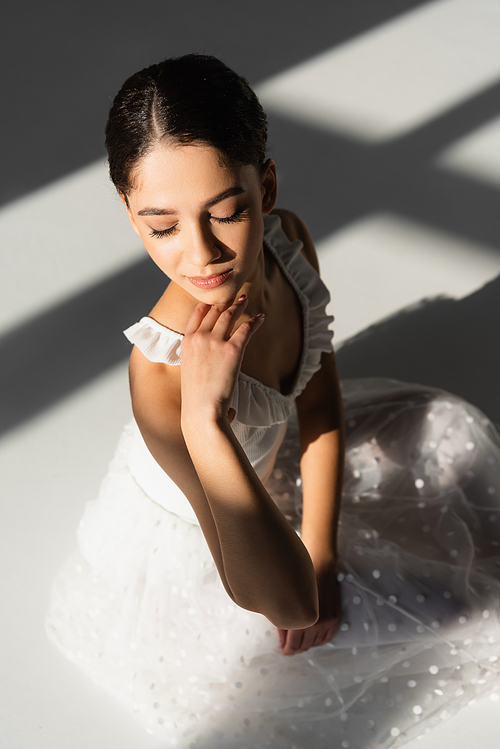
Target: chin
225,294
219,299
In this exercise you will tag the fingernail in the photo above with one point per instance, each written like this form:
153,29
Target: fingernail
261,314
242,297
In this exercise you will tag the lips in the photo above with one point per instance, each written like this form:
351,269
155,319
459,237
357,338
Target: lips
209,282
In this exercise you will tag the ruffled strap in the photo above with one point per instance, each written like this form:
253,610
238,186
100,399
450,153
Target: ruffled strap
155,341
318,331
257,405
313,295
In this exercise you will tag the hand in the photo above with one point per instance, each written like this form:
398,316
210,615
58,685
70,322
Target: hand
211,358
300,640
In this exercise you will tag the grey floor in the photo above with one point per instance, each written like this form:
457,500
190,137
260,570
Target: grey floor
385,126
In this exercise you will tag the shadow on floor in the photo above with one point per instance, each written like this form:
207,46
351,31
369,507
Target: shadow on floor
72,57
327,178
64,348
440,342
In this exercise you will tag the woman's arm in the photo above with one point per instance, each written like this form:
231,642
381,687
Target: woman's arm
156,403
266,564
322,440
263,564
322,444
319,409
322,448
322,459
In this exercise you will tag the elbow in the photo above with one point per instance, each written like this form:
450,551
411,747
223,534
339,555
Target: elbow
296,617
292,609
295,620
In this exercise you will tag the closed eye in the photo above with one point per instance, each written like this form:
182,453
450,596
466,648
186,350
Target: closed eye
238,216
235,217
159,233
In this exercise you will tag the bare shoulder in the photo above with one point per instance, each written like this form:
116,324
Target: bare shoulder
154,386
155,390
296,228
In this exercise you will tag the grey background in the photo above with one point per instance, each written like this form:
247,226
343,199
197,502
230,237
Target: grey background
62,64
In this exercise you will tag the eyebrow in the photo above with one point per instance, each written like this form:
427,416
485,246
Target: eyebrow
231,192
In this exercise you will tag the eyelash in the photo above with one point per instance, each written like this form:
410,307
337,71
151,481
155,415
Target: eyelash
238,216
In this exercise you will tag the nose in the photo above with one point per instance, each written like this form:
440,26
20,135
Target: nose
203,247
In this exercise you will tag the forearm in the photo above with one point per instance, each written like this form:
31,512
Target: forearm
322,473
266,564
322,448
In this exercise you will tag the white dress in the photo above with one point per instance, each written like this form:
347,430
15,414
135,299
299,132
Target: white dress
140,605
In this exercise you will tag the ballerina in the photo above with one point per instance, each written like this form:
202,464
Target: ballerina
217,547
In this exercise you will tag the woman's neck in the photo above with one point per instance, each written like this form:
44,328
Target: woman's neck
255,287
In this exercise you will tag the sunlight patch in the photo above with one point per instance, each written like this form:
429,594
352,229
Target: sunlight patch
392,263
396,77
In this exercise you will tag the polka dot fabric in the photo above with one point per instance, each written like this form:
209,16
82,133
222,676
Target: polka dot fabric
141,608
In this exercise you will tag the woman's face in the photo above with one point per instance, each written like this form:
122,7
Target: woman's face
201,222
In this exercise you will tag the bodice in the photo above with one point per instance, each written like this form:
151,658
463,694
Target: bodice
261,412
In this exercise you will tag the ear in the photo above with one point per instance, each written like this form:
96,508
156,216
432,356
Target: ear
129,213
269,186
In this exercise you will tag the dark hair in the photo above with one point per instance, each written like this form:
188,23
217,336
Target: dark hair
194,98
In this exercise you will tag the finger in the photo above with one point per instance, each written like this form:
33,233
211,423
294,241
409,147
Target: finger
318,639
228,318
221,318
196,317
311,639
293,641
329,635
282,636
209,320
242,335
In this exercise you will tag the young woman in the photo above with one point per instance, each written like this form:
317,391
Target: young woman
211,552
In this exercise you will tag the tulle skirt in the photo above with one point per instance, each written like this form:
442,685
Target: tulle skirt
140,606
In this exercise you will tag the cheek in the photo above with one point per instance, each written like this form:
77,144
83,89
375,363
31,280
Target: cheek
165,261
170,260
254,238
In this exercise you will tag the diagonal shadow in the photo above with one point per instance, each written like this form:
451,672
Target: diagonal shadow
71,99
341,180
332,180
50,356
440,342
430,138
62,349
